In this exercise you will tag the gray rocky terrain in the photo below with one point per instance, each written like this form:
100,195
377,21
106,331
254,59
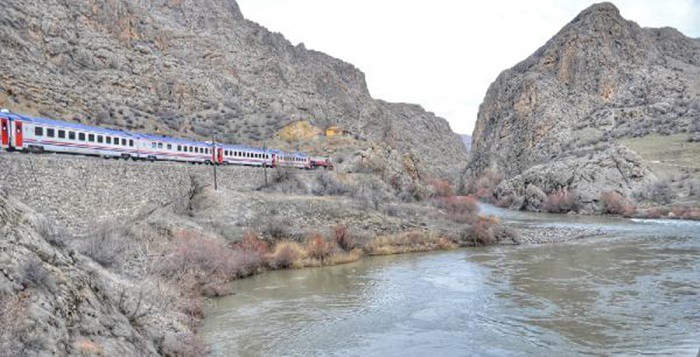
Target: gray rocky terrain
574,114
196,69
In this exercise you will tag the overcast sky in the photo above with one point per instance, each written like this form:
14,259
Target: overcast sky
442,54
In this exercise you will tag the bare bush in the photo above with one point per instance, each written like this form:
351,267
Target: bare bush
462,209
369,193
106,246
484,186
560,201
34,275
482,232
659,191
50,231
327,185
317,247
615,203
276,228
441,188
344,238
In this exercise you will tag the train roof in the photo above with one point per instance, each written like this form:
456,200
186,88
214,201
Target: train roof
170,139
297,154
241,147
74,126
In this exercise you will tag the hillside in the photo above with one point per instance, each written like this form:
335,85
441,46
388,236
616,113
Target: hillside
197,69
562,119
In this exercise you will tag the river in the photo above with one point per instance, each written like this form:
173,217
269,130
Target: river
634,291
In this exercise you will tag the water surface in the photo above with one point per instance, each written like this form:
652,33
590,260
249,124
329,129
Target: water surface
635,291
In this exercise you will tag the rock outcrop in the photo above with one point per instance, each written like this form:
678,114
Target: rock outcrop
556,120
194,68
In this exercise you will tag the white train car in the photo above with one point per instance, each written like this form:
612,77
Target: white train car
46,135
165,148
297,160
241,155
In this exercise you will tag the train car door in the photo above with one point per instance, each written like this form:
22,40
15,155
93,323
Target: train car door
5,127
17,135
219,156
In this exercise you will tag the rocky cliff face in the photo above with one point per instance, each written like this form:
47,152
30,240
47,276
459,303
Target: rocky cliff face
558,117
194,68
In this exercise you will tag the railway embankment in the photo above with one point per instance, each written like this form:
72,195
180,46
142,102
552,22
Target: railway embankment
78,191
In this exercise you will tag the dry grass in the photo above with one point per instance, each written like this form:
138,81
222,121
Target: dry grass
461,209
409,242
286,254
484,185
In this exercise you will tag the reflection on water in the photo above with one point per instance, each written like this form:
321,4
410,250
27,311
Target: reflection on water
636,291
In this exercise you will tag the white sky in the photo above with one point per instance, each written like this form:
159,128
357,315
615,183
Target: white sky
442,54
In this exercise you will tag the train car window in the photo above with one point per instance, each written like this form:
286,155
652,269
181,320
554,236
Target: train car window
61,134
38,131
108,140
170,147
50,132
71,135
191,149
179,148
91,138
154,145
131,143
81,136
100,139
160,145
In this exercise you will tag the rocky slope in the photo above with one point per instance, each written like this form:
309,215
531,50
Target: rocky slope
557,119
194,68
56,301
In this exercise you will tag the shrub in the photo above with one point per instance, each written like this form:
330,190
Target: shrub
276,228
441,188
484,185
50,232
482,232
34,275
658,191
285,254
343,238
253,244
461,209
327,185
317,247
560,201
198,260
106,247
615,203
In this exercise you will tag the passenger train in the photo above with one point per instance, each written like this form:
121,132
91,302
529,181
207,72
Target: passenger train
28,134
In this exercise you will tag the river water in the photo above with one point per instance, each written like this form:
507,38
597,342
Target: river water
634,291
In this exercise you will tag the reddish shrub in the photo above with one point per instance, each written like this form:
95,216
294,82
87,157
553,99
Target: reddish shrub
505,201
484,185
198,260
615,203
461,209
693,213
482,232
343,238
679,211
442,188
253,244
560,201
318,247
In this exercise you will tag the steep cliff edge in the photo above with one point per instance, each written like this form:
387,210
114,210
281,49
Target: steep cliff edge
564,118
194,68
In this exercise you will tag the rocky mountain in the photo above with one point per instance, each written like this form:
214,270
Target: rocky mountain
197,69
567,117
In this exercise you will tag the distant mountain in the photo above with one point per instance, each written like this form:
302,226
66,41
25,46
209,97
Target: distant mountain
467,141
195,68
566,117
